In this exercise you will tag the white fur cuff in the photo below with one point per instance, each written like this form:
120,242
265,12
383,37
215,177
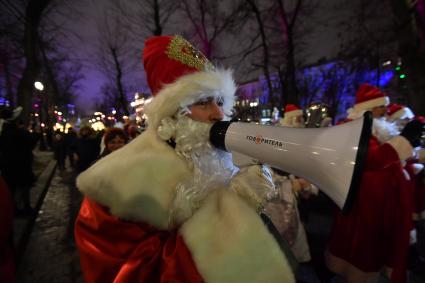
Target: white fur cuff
229,243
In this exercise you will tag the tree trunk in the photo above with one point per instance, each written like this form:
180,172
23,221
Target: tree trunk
8,81
157,19
290,91
52,83
118,78
290,71
33,13
265,50
413,59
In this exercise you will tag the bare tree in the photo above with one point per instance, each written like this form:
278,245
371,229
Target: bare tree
265,47
412,86
367,34
147,17
30,17
211,21
288,21
116,55
11,56
30,25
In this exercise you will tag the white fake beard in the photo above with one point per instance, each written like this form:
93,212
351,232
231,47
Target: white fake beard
292,123
212,168
384,130
297,124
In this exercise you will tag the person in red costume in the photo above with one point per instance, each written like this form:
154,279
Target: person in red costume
401,115
7,254
374,236
168,207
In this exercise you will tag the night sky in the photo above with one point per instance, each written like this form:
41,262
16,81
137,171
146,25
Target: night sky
323,44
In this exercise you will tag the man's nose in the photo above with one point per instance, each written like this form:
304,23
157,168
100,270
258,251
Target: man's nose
216,113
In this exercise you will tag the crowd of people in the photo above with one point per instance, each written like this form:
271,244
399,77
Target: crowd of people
17,178
166,206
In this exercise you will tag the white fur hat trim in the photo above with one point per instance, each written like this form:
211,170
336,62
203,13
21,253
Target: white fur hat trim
369,104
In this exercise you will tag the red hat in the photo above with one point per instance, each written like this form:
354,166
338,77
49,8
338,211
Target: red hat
343,121
368,97
292,110
166,58
397,111
420,118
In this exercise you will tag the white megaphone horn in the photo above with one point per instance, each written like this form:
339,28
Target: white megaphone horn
331,158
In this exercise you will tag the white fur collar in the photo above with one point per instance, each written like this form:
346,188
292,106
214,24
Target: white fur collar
137,182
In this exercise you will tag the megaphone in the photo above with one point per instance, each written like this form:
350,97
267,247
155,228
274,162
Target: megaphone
331,158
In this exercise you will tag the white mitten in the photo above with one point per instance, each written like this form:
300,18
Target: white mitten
255,185
421,155
167,128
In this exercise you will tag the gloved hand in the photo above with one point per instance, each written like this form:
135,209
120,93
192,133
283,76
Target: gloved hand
255,185
413,132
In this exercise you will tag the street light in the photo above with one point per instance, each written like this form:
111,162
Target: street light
38,85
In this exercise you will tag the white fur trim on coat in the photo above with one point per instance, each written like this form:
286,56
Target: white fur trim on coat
187,90
417,168
229,243
403,113
369,104
137,182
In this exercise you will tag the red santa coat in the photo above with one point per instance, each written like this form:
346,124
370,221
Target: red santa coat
375,233
123,235
419,195
7,256
128,251
417,180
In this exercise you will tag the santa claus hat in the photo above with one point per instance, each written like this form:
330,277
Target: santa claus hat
420,118
179,75
368,97
292,110
397,111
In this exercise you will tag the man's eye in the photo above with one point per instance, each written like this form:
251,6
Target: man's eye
204,101
220,101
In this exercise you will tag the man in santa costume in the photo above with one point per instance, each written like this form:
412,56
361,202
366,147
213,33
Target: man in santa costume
168,207
292,117
374,235
399,114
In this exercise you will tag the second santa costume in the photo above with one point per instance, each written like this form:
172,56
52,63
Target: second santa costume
374,235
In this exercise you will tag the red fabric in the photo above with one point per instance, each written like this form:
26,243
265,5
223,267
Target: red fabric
368,92
343,121
393,108
161,68
113,250
420,118
418,184
291,107
419,195
7,257
375,233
